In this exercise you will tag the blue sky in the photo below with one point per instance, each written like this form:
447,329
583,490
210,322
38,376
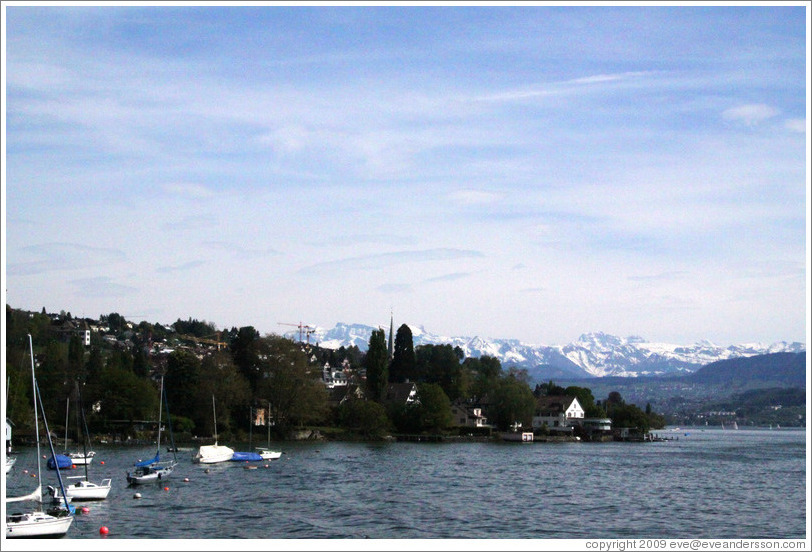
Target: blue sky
530,172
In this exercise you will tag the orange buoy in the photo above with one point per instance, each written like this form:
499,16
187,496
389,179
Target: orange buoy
33,475
103,530
166,488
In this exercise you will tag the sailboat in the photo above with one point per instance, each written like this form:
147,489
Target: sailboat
248,456
76,458
84,489
37,523
267,453
213,454
153,469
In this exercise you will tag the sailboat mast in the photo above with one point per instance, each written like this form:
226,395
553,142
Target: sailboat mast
83,428
67,409
36,418
160,400
214,410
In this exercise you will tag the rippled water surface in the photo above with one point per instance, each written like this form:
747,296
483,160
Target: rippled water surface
707,484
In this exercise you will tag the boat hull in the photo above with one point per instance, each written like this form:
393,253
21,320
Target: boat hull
85,490
150,474
270,454
80,459
213,454
36,524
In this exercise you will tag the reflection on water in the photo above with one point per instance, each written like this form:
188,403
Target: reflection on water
708,484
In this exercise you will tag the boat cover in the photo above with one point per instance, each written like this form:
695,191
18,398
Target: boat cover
150,461
246,457
61,460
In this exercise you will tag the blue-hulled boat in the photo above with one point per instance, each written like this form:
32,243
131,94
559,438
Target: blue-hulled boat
246,457
61,460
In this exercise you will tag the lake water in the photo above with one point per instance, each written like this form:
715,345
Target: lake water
706,484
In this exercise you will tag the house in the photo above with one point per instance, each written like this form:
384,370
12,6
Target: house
467,416
558,413
341,394
402,393
333,378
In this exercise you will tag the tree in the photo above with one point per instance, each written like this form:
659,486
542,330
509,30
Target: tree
434,407
402,367
76,358
141,364
441,364
366,417
220,378
244,352
294,391
181,382
377,361
512,401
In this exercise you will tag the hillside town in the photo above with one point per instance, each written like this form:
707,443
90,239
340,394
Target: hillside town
447,397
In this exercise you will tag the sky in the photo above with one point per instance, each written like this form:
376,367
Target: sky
533,172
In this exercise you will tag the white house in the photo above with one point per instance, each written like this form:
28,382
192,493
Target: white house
332,377
466,416
558,412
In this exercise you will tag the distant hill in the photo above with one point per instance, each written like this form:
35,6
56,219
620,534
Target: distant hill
785,369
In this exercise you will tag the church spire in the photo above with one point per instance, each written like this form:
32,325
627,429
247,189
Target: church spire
391,329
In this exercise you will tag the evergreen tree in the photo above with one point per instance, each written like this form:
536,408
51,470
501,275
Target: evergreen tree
403,361
377,365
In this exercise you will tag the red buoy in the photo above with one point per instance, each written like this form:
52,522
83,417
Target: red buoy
73,466
166,488
102,462
85,510
103,530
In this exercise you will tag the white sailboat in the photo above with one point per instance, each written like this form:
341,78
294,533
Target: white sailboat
10,460
267,453
76,458
37,523
84,489
153,469
216,453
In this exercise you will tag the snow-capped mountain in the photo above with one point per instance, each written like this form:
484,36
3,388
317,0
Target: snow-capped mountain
592,355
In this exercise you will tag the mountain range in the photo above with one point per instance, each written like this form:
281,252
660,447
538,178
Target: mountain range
592,355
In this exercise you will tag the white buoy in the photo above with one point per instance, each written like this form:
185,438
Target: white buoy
137,495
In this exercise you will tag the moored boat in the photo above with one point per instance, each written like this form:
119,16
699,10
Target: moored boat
216,453
37,523
148,471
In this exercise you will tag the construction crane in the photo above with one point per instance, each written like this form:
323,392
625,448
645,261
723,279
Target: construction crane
303,329
206,340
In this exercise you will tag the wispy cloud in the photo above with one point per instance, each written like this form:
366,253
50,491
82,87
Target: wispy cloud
750,114
188,190
239,252
49,257
450,277
581,85
102,286
671,275
381,260
181,267
796,125
395,288
191,222
474,197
